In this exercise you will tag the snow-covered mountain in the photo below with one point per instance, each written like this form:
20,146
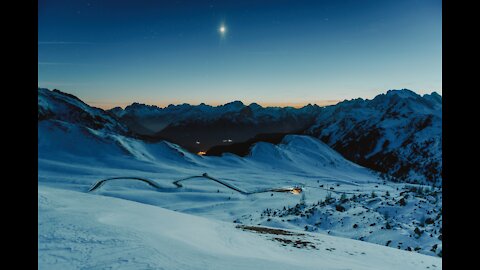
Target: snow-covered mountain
57,105
398,133
342,206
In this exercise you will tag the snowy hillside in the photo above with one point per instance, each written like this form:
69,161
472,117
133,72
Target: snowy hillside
209,212
399,133
78,230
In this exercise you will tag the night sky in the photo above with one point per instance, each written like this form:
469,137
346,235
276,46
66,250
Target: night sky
113,53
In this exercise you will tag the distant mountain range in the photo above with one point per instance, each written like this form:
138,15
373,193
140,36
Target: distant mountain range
198,128
398,133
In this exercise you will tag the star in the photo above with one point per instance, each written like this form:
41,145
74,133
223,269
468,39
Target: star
222,29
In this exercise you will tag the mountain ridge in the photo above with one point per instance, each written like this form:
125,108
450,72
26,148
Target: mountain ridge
397,133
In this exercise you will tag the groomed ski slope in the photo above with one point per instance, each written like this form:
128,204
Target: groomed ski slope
85,231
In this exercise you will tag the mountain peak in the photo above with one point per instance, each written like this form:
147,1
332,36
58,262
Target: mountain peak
235,102
403,93
235,105
254,105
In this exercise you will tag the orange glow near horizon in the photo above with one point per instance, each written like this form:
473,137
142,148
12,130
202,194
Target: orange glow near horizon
109,105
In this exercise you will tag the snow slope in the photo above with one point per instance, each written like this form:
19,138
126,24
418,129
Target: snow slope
78,231
75,157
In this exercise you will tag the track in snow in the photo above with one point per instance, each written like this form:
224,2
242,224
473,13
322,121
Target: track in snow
152,183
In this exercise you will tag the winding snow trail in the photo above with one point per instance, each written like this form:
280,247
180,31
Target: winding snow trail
152,183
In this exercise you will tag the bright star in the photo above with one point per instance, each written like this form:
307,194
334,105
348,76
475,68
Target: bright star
222,29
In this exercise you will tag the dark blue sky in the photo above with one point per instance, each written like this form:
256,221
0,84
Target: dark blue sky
113,53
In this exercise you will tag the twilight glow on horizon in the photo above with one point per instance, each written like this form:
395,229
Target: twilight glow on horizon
275,53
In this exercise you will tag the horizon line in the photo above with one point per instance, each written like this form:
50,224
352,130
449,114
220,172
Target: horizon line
105,105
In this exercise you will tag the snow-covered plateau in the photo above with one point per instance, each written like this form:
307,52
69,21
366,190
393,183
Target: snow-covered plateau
186,211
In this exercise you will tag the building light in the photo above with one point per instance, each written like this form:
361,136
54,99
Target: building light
296,190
